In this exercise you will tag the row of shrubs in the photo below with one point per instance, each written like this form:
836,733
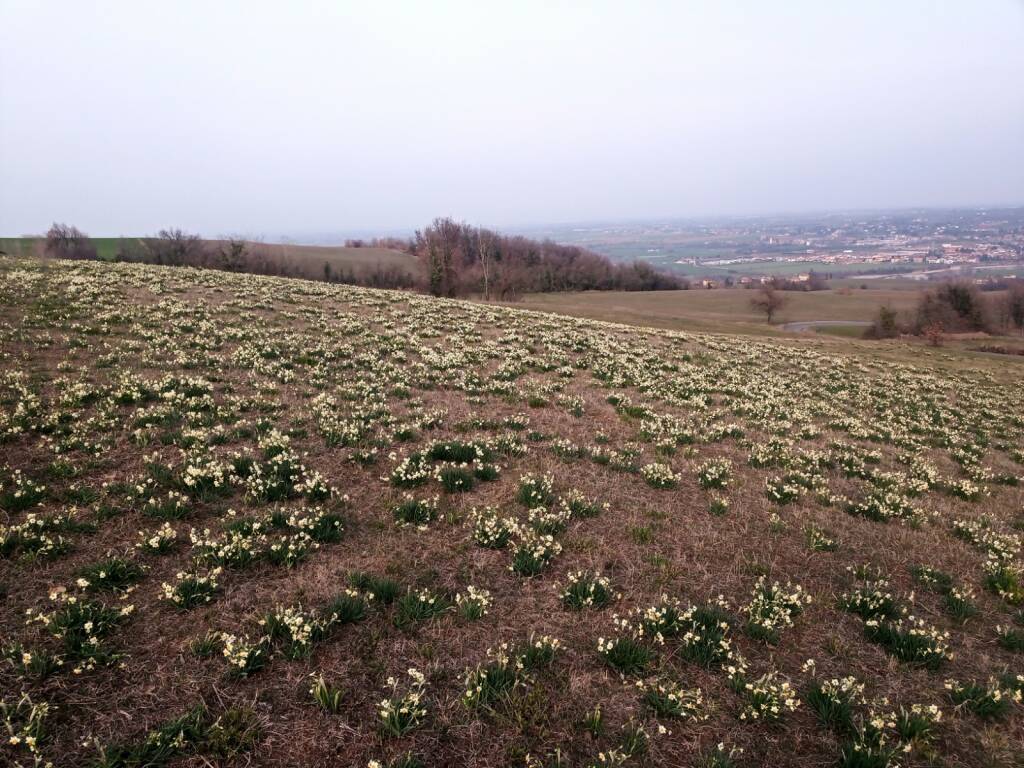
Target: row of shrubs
954,307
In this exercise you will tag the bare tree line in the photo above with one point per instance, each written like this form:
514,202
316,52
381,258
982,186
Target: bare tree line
956,307
456,260
459,259
177,248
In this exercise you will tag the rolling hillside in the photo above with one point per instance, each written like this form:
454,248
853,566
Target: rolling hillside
261,521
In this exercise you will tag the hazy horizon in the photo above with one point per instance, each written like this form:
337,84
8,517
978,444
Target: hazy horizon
315,118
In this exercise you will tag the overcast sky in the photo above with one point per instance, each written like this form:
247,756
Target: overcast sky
303,117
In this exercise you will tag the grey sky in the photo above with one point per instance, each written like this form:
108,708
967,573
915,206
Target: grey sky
293,118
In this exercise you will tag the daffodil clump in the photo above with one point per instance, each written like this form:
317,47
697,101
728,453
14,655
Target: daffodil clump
768,698
473,603
158,542
420,605
403,710
19,492
533,552
659,475
244,656
627,650
835,700
415,512
506,669
669,698
585,589
781,490
714,474
536,491
911,639
819,540
189,590
871,599
991,699
293,629
25,724
491,529
579,506
83,625
773,607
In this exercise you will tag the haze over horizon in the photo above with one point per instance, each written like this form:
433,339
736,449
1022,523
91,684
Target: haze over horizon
125,118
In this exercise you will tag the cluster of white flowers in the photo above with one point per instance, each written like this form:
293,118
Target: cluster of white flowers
532,552
416,512
536,491
490,529
549,521
782,491
233,548
34,536
19,492
871,598
409,472
659,475
669,698
474,602
244,656
191,589
585,589
991,696
714,473
818,540
979,532
968,490
579,506
768,698
171,505
838,691
202,473
911,639
773,606
399,713
291,549
884,505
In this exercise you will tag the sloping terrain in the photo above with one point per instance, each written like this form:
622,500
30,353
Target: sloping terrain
305,260
258,521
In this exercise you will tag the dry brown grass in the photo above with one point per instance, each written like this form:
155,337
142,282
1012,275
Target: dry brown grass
690,555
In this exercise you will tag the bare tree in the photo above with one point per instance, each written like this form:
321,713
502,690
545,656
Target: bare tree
485,244
438,246
816,281
768,301
233,255
1015,305
176,247
64,241
934,332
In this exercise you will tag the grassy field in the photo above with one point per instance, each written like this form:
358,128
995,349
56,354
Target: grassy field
311,258
780,268
307,259
106,247
263,521
726,309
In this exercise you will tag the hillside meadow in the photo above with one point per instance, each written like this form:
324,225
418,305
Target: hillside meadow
262,521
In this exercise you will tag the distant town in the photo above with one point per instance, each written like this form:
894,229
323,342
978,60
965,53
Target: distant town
919,244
